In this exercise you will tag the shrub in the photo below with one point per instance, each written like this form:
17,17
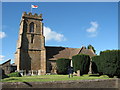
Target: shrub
105,76
107,63
81,62
62,65
14,74
111,62
97,65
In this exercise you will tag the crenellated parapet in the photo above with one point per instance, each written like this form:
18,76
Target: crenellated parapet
31,54
32,16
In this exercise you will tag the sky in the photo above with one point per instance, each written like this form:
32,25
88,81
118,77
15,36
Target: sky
67,24
60,0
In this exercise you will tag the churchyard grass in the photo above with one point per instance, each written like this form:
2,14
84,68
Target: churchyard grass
47,78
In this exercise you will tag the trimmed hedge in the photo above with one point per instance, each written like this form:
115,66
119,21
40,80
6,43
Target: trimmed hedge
96,65
14,74
111,62
108,62
81,62
62,65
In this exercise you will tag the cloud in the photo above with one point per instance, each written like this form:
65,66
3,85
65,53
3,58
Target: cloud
93,34
92,30
52,35
2,35
1,57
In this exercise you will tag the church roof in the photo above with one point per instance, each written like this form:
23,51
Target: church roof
8,61
54,53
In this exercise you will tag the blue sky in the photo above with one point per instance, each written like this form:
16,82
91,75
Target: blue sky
65,24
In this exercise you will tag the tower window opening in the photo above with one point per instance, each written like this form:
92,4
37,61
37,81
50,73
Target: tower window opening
32,27
32,38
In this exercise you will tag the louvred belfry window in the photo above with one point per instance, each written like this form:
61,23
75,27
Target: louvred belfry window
32,38
32,27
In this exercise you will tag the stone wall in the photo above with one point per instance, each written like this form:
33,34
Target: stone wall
35,60
31,53
6,67
108,83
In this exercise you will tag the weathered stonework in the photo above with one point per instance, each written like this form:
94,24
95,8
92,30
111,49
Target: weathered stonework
97,84
6,67
31,53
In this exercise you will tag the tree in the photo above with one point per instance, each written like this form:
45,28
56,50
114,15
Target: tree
81,62
111,62
108,63
91,47
97,65
62,65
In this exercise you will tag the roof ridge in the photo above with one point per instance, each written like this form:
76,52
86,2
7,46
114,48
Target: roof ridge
6,62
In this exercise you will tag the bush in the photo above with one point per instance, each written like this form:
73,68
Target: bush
14,74
96,65
81,62
107,63
111,62
105,76
62,65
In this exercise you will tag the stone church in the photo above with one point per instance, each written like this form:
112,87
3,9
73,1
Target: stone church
32,54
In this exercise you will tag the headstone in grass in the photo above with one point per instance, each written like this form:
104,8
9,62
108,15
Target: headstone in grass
78,72
74,74
39,72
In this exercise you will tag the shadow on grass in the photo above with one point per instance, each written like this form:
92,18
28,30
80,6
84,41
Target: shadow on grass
11,79
19,81
94,75
28,84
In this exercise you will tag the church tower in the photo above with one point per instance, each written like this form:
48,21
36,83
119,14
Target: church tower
31,53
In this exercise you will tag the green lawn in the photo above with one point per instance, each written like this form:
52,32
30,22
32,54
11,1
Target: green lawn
45,78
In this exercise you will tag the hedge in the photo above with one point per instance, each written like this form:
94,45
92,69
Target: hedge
96,65
62,65
111,62
14,74
108,62
81,62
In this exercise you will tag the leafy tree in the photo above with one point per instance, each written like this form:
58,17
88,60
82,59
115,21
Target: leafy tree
91,47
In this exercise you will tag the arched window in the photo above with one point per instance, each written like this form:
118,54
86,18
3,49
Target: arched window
25,27
32,27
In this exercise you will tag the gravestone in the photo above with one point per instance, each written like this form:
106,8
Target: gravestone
78,72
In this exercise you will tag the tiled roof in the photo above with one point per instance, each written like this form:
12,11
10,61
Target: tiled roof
54,53
88,52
